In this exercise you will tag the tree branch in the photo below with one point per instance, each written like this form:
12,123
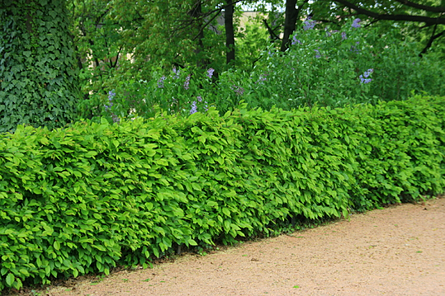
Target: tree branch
430,42
394,17
437,9
205,25
270,30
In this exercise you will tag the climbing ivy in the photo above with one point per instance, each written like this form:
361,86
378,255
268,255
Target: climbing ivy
38,74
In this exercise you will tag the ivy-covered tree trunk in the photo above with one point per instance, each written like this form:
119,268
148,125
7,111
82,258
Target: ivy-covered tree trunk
38,74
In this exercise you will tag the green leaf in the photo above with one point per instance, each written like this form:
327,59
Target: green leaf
90,154
10,279
56,245
192,242
226,211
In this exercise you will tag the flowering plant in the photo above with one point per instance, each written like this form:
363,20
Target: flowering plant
322,66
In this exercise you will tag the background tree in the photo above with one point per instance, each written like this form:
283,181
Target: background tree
420,21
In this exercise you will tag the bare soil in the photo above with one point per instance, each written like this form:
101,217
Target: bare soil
399,250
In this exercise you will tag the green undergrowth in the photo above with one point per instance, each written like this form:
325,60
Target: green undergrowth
95,196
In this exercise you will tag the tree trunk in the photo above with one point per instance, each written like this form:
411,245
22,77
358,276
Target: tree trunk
38,72
230,33
290,20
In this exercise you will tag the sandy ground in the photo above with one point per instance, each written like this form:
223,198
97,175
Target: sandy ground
398,250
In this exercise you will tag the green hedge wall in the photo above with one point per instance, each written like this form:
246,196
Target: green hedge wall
93,196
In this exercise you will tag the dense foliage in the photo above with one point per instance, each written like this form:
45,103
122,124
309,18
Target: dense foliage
38,74
86,198
322,67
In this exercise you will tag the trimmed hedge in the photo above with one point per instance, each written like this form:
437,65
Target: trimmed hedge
93,196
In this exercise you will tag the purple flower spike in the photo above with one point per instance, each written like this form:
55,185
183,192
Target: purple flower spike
199,98
309,24
295,40
161,82
194,108
364,78
343,36
239,91
176,72
317,53
210,72
355,23
111,95
187,82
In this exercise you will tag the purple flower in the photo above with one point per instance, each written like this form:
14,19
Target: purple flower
354,48
108,106
295,40
239,90
367,73
194,108
364,78
309,24
317,53
343,36
176,72
199,98
161,82
355,23
187,82
210,72
111,95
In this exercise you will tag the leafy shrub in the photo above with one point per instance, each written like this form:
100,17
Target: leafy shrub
350,66
322,67
96,195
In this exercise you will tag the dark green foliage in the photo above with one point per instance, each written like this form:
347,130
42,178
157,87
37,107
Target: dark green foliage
38,80
93,196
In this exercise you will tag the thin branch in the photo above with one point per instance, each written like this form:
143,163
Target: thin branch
205,25
270,30
394,17
117,58
430,42
204,15
437,9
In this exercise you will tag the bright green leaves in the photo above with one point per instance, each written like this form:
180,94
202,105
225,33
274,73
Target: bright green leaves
95,195
10,279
